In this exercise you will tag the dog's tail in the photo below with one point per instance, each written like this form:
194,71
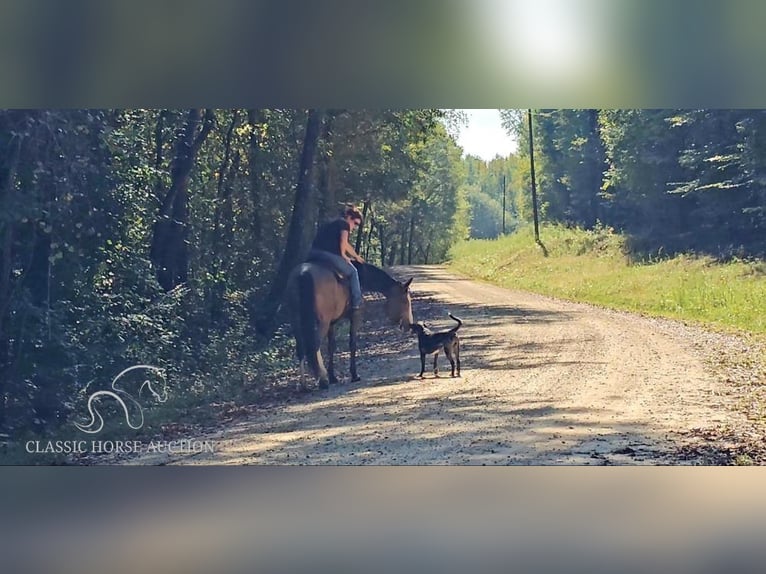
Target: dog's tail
459,323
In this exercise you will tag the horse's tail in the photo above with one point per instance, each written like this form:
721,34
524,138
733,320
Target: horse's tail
459,322
308,346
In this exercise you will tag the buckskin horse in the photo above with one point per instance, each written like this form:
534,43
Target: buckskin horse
318,298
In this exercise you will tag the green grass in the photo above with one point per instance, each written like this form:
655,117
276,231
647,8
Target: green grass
592,266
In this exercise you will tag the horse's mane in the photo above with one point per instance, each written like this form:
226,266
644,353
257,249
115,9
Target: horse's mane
374,278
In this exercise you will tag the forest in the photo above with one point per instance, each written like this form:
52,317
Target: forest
673,180
164,237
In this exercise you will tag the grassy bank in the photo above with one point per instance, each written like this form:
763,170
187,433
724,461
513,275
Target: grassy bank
593,266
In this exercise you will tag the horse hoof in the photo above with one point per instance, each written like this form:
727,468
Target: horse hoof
356,379
334,381
324,384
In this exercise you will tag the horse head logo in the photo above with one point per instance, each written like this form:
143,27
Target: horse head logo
120,395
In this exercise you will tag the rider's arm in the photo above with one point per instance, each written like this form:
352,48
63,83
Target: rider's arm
347,250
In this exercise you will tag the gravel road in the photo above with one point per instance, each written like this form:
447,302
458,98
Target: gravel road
544,382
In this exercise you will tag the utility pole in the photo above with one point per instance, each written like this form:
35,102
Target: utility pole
503,204
532,170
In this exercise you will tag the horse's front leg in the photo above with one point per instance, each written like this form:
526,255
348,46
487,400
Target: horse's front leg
331,353
352,334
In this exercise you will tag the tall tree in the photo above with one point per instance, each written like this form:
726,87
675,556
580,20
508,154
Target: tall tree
295,247
642,153
169,250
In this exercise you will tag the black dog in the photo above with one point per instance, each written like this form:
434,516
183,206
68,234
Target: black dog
429,342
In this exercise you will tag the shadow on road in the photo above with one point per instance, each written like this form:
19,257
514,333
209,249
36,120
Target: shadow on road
388,427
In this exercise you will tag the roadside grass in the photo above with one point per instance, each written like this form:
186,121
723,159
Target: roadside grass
595,267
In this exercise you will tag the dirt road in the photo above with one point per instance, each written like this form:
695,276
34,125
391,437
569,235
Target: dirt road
543,382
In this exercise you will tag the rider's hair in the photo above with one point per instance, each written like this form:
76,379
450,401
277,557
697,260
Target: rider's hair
353,212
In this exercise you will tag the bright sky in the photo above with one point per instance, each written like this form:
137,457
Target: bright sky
484,135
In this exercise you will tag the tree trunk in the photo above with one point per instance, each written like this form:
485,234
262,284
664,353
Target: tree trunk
223,188
360,230
369,238
10,148
383,244
158,145
411,239
327,204
10,152
294,248
392,252
158,139
169,251
402,247
255,118
36,279
597,169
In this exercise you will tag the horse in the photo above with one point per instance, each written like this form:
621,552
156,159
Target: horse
317,299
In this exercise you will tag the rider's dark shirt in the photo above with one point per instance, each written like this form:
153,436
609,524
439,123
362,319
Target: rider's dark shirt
328,235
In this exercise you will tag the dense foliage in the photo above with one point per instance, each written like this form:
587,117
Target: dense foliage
675,180
163,237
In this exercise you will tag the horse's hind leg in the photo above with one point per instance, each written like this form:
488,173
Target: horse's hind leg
448,350
300,353
316,358
302,387
319,369
330,355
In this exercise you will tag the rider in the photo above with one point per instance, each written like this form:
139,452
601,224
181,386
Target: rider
332,246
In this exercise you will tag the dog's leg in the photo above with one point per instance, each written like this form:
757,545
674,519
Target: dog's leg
457,355
436,365
448,351
422,364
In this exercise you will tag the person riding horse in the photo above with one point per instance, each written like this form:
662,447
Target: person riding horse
317,299
331,245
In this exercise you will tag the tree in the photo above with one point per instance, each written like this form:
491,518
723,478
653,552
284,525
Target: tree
295,247
642,152
169,251
723,155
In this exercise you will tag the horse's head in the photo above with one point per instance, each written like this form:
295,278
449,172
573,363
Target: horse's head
399,304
